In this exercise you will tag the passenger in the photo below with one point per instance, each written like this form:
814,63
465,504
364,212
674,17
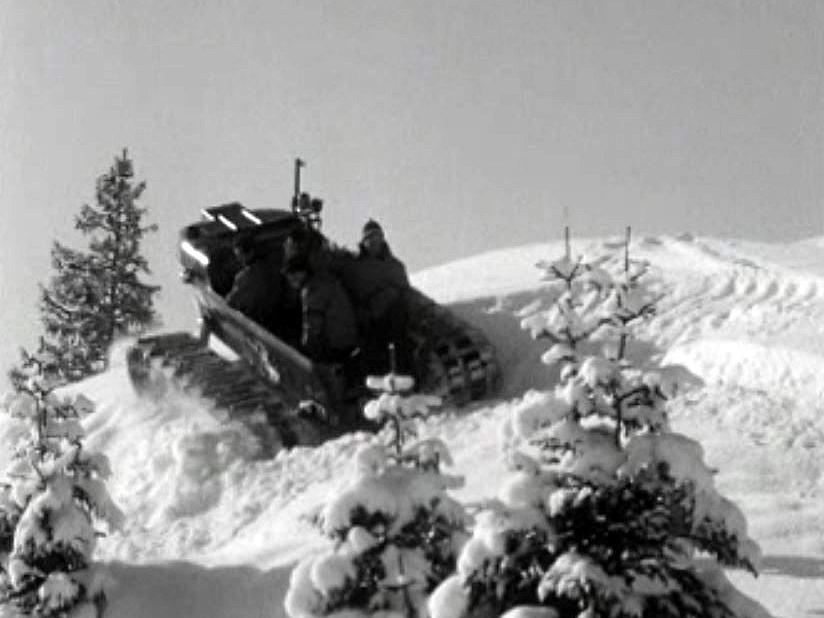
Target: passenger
309,244
257,287
379,284
329,333
389,279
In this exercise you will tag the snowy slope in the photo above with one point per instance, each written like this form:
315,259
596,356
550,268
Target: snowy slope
213,532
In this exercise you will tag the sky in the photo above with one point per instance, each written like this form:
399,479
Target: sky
462,126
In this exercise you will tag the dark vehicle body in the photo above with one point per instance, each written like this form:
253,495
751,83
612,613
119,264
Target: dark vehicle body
452,359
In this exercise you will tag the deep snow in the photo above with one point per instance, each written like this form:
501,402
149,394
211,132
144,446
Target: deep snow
212,532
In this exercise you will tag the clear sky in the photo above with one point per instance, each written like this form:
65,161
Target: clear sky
461,125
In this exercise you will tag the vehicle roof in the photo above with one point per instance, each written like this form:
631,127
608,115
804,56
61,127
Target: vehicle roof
228,219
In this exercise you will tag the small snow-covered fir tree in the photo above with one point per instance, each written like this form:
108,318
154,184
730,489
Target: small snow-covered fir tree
97,295
50,498
396,530
607,511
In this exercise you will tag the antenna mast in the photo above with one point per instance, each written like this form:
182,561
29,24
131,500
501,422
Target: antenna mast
299,163
626,249
304,206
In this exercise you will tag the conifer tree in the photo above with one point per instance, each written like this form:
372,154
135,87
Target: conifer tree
97,295
50,498
396,530
607,510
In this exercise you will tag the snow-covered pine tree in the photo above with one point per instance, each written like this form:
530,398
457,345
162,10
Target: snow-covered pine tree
51,496
608,511
396,530
97,295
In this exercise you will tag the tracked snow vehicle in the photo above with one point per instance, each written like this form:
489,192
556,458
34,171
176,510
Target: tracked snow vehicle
264,380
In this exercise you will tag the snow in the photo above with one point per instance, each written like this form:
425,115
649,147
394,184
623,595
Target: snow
58,591
211,530
449,600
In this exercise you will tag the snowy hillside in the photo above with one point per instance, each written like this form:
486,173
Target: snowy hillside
212,532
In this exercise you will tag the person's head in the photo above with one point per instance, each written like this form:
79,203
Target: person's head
297,278
245,248
296,271
373,241
303,241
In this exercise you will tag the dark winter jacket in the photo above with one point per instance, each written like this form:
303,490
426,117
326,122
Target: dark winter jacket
257,291
329,327
375,283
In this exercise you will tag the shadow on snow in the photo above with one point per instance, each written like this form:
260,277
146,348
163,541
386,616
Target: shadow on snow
175,589
804,567
519,355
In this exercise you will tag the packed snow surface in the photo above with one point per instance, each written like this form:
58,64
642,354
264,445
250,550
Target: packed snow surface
211,531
